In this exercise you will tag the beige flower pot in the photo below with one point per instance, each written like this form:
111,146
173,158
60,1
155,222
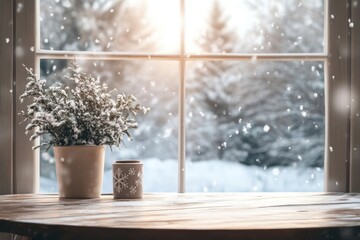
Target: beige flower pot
79,170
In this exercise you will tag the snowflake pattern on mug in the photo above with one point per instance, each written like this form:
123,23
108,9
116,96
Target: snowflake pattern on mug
132,171
120,180
133,190
138,181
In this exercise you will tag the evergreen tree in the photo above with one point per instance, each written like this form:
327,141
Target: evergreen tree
209,89
298,86
259,113
282,111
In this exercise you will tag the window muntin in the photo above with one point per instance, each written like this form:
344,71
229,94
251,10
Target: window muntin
302,56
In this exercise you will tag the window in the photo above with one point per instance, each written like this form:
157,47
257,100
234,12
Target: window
248,102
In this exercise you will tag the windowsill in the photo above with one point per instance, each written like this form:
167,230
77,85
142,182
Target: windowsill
184,216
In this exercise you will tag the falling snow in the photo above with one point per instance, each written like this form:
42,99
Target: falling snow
266,128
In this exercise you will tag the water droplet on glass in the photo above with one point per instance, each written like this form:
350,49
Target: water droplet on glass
303,113
46,40
331,149
332,16
62,160
7,40
299,157
351,24
336,183
32,49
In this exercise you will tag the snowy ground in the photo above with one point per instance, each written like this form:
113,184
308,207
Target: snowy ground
217,176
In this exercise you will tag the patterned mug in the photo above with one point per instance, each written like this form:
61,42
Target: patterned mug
127,179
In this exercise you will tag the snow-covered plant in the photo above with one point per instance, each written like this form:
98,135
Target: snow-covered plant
86,114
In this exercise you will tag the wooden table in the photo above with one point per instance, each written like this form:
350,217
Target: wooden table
185,216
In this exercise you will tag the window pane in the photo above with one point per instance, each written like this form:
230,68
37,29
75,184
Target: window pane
154,83
119,25
264,26
255,126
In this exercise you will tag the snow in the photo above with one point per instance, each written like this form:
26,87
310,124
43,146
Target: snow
216,176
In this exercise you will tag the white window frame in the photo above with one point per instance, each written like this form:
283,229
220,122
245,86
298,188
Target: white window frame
19,165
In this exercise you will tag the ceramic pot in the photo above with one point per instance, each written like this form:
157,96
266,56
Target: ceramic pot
79,170
127,179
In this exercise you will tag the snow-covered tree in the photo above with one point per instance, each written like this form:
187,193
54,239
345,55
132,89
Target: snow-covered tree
209,90
298,138
260,113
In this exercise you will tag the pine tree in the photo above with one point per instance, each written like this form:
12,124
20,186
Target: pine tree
209,90
296,88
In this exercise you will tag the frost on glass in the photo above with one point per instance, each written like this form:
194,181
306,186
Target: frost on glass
255,126
102,25
264,26
154,83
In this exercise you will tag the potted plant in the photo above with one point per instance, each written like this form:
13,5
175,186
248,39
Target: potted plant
80,120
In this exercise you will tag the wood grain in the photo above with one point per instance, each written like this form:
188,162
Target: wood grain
185,216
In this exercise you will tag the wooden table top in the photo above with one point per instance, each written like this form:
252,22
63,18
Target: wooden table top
185,216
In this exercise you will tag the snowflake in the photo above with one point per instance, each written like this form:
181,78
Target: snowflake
139,180
120,180
133,190
132,171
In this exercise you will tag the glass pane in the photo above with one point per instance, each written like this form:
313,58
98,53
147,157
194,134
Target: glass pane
255,126
246,26
119,25
154,83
